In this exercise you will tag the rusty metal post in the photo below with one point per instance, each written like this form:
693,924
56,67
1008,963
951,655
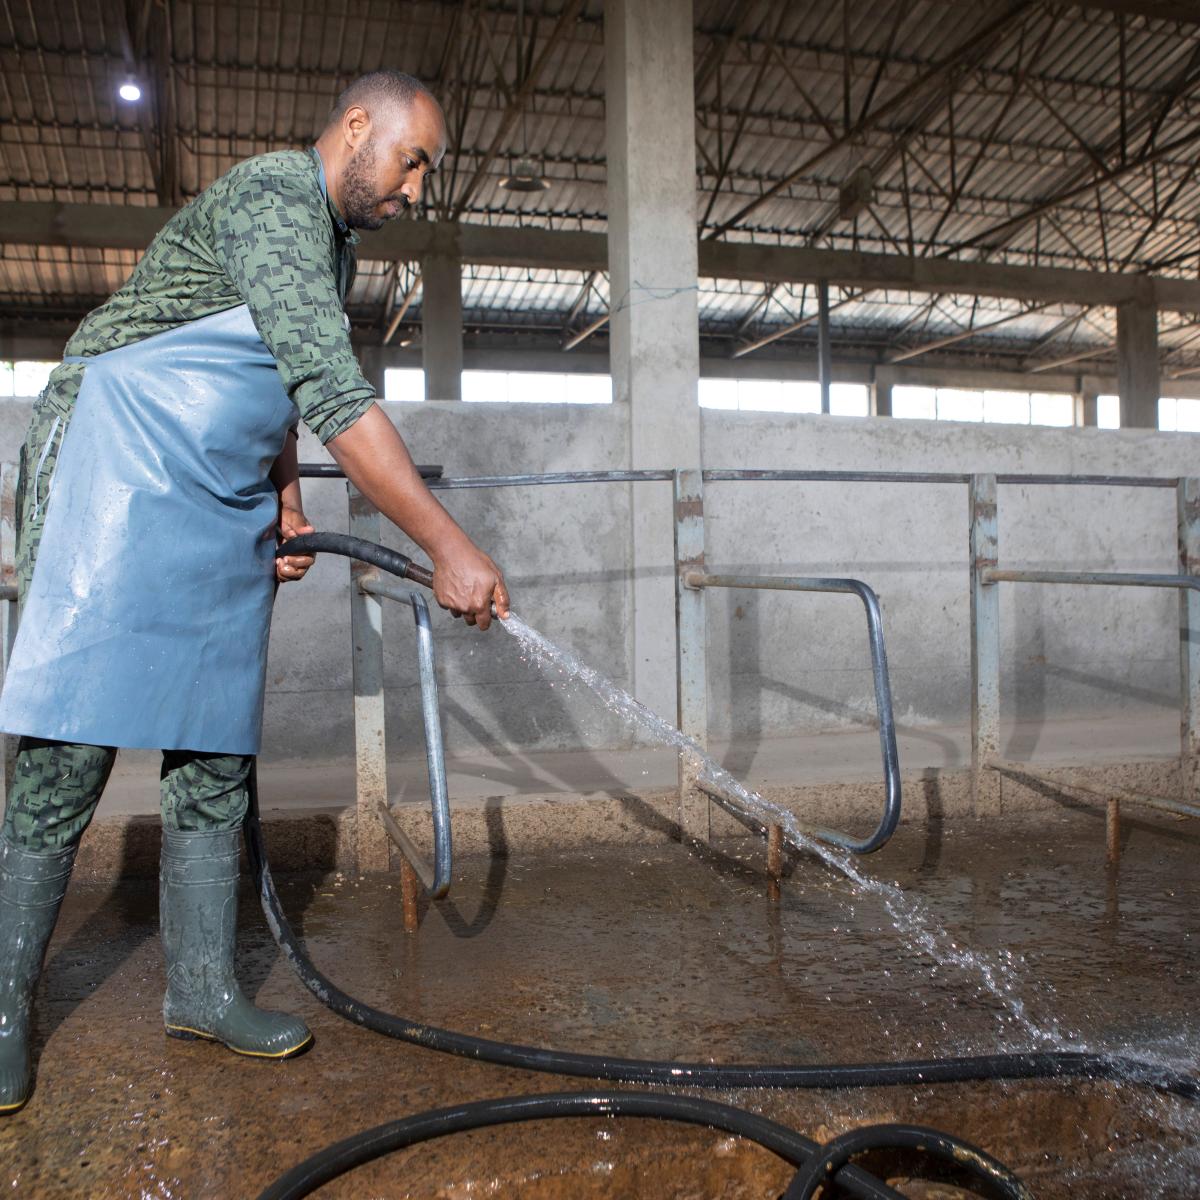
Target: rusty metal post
691,637
985,647
1188,507
1112,831
410,895
775,853
8,607
370,749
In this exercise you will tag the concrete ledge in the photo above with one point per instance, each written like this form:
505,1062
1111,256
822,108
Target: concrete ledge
322,839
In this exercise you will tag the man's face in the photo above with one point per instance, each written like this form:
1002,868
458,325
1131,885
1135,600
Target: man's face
387,170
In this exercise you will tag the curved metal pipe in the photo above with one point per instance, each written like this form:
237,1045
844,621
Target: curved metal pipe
883,688
436,879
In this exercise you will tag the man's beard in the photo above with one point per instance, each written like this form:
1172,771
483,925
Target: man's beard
359,200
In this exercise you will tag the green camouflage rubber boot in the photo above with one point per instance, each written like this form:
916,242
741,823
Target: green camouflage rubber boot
198,884
31,890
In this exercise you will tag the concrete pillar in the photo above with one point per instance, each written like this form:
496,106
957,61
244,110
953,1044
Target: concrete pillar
442,327
1137,363
1085,408
881,393
373,361
654,341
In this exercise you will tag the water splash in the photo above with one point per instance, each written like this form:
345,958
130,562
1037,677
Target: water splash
917,927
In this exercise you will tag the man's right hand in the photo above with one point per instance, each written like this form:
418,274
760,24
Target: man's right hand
377,462
468,583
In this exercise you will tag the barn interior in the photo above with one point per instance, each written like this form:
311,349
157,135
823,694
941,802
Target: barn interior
824,377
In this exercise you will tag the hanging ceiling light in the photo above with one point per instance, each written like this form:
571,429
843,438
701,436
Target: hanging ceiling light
130,90
524,178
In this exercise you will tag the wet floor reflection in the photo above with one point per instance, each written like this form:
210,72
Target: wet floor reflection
654,952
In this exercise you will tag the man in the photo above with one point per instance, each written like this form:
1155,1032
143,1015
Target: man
159,470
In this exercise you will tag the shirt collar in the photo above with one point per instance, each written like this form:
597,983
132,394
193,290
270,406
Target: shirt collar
335,216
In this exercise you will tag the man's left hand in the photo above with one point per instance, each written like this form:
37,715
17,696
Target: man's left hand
292,523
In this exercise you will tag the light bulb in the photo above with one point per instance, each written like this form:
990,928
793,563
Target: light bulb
130,91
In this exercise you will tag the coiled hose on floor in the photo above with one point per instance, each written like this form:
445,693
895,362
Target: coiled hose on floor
1032,1065
817,1164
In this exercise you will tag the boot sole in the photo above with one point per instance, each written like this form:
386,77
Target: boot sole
12,1108
187,1034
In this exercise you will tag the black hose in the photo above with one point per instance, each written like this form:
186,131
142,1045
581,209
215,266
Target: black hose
828,1166
391,561
794,1148
1032,1065
818,1164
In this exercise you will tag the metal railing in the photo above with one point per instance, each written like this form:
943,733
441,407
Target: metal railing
693,580
986,575
436,879
694,813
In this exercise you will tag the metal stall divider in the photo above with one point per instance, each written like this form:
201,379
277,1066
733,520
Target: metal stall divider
986,574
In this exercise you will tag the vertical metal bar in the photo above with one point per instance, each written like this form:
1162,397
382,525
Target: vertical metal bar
370,750
435,752
8,608
985,646
824,351
691,648
8,742
1188,507
775,852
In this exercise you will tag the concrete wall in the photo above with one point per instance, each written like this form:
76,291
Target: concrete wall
778,663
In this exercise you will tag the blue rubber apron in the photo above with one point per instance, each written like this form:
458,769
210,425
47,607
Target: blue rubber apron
148,614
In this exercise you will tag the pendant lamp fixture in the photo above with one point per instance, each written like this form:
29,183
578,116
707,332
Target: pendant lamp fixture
524,176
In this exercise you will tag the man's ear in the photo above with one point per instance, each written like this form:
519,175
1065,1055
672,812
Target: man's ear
356,126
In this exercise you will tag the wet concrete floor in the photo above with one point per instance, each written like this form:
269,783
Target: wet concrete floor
659,953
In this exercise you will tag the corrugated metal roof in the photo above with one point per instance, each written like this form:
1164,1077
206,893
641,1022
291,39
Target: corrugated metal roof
1023,132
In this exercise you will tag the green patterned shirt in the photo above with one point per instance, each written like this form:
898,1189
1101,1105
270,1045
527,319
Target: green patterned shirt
262,235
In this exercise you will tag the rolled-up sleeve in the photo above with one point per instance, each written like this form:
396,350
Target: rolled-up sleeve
276,242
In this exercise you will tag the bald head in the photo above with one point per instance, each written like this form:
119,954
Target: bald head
385,134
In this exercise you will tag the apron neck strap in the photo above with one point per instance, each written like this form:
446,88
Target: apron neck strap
323,182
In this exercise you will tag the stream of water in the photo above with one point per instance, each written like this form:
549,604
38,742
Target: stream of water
917,927
1157,1170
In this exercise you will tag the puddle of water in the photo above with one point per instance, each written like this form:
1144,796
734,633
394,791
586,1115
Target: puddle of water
917,927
